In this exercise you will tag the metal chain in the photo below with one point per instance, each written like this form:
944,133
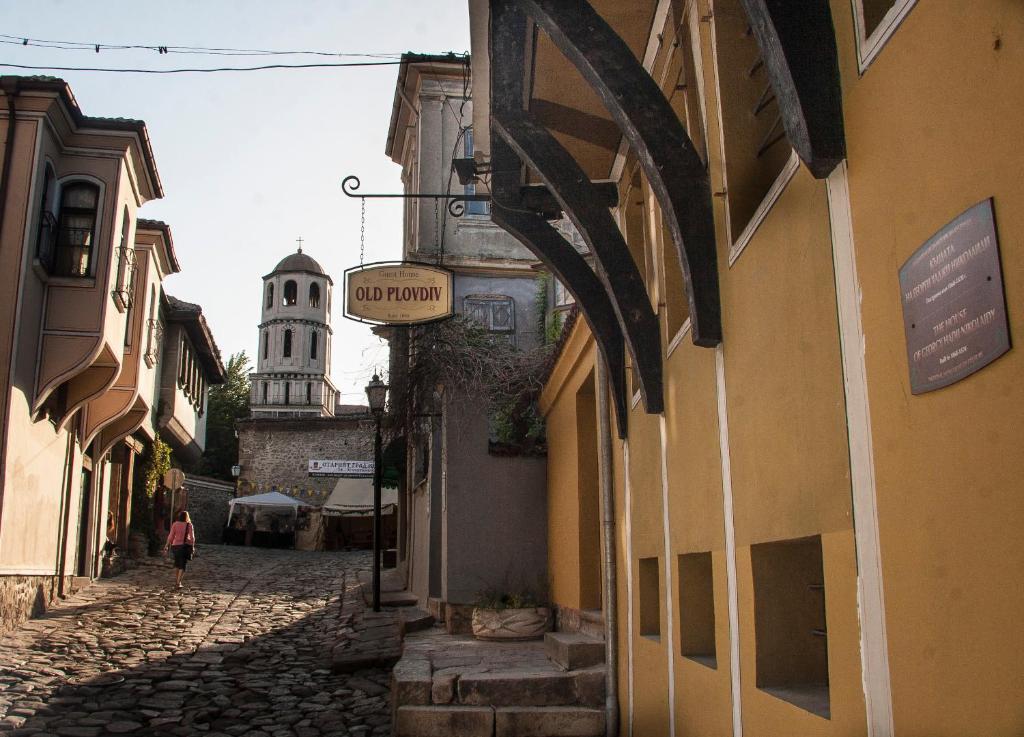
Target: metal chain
363,229
437,224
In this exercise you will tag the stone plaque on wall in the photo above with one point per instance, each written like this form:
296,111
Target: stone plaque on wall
954,311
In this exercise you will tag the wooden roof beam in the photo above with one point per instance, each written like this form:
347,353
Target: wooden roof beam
798,45
670,162
621,278
507,35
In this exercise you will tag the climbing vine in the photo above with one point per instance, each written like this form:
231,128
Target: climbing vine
463,355
158,463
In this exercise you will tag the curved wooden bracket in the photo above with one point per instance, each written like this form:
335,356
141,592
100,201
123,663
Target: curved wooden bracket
798,46
674,169
621,278
572,270
508,29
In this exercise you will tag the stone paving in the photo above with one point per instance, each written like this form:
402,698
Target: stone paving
243,650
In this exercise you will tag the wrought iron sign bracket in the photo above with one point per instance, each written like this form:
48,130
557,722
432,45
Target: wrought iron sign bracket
533,197
456,208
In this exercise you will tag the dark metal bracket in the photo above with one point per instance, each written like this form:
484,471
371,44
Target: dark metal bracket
456,208
534,197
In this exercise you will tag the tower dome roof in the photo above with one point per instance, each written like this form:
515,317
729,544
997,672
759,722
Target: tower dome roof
298,262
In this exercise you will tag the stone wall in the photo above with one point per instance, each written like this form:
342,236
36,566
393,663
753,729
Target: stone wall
208,506
23,597
275,454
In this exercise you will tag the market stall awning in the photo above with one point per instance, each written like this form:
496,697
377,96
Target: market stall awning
354,497
267,501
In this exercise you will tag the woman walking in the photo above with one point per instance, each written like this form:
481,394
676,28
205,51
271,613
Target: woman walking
182,541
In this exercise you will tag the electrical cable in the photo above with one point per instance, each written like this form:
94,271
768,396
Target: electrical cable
206,70
14,40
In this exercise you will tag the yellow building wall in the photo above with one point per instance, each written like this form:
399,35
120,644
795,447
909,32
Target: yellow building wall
650,655
569,538
933,127
788,437
703,694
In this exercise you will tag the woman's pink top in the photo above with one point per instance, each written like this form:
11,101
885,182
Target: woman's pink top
181,533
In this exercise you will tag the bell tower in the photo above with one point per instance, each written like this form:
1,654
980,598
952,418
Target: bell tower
293,359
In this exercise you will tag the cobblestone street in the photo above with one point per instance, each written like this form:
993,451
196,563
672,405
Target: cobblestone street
243,649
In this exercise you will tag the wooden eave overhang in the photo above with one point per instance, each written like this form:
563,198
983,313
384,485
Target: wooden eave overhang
190,316
73,122
402,111
569,91
160,233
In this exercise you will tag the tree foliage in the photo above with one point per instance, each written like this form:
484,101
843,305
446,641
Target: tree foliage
157,464
227,403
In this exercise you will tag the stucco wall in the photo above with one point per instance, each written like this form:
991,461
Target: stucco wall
495,527
948,464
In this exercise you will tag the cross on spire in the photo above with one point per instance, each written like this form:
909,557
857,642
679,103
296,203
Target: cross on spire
299,241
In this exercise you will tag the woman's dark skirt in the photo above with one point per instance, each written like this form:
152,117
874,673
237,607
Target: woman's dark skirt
180,556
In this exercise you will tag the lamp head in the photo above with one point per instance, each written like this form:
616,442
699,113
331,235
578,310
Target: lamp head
376,394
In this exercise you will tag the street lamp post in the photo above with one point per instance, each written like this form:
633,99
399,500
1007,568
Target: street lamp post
376,393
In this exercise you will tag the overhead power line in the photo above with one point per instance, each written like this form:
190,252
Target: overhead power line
14,40
206,70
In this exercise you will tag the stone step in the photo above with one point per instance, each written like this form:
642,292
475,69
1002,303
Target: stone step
585,621
389,580
444,721
531,688
548,721
389,598
573,650
503,721
415,619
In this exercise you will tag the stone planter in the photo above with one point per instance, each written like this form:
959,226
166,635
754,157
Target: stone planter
511,624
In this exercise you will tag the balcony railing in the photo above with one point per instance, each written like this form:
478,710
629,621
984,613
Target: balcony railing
154,339
64,251
124,285
47,247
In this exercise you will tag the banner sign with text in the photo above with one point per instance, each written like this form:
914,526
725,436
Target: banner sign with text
398,293
954,311
352,469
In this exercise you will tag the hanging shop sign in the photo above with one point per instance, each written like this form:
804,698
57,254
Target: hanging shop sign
351,469
954,311
398,293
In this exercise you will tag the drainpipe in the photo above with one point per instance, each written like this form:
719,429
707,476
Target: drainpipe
611,625
10,88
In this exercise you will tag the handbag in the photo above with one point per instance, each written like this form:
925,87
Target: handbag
190,550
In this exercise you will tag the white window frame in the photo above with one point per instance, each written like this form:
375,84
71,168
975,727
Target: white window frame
868,47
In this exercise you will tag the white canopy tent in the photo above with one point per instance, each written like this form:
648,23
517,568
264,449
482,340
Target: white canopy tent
271,501
353,497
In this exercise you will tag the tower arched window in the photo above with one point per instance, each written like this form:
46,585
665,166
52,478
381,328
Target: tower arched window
287,392
287,353
314,295
264,392
291,293
309,392
312,344
266,344
270,296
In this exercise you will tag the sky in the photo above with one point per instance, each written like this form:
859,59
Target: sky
251,161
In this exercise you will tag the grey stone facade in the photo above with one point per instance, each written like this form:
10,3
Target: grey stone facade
275,454
208,506
23,597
